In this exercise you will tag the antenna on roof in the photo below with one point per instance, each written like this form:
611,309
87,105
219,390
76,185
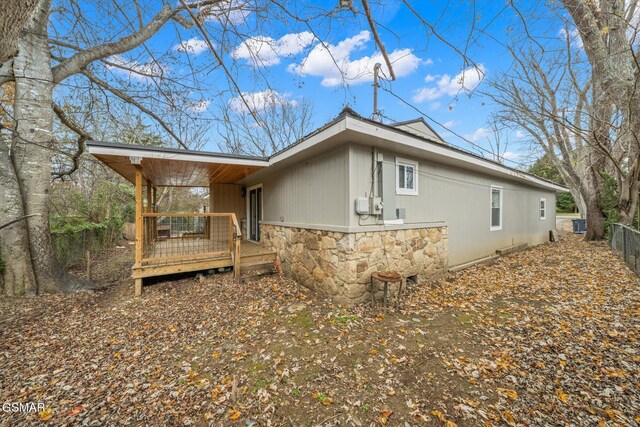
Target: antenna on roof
376,70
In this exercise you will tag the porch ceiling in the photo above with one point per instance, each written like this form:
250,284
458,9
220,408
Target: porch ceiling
175,168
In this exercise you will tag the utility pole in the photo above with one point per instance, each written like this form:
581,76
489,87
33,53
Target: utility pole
376,71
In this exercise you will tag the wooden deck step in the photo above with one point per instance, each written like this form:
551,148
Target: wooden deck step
256,265
511,249
264,257
245,268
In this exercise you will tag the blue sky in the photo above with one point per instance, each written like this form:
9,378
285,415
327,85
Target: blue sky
282,60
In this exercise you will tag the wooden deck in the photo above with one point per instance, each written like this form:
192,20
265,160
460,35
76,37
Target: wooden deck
164,252
159,263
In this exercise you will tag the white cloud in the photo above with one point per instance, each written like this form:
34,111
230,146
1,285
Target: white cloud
520,134
259,101
450,124
479,134
136,70
510,155
194,45
199,106
264,51
427,94
428,61
334,64
465,81
574,37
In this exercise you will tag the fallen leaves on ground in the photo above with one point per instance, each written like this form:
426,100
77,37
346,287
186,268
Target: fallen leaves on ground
560,331
547,336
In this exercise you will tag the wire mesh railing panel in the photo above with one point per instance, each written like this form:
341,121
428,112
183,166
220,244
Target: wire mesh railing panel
625,242
185,237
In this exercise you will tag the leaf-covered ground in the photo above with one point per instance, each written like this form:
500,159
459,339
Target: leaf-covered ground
548,336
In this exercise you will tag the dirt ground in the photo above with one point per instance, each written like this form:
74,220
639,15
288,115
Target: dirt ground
547,336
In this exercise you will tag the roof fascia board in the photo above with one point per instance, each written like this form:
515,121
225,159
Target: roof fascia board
150,154
440,150
327,133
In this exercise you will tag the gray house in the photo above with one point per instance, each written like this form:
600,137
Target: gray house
353,197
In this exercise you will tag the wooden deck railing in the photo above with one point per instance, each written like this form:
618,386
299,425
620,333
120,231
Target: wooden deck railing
198,240
174,238
237,238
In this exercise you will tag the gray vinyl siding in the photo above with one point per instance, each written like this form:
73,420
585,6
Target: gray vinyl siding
321,192
227,198
312,191
461,200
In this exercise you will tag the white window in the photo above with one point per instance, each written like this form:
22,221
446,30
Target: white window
406,177
543,209
496,208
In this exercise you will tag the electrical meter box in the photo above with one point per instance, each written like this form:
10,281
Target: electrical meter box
362,205
376,205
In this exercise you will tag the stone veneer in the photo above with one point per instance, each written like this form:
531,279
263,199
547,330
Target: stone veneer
340,264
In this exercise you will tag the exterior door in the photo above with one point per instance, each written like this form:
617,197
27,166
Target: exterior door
255,213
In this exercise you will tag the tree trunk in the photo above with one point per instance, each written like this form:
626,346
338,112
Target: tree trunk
595,219
15,14
629,202
17,276
32,148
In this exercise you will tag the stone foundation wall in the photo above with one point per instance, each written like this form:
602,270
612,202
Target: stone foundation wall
340,264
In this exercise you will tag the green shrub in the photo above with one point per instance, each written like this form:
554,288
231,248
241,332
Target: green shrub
565,203
88,218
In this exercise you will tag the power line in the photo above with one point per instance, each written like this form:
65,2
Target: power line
425,173
478,147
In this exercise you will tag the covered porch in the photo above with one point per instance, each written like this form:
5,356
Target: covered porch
179,242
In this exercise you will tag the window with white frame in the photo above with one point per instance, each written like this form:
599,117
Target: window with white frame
496,208
406,177
543,209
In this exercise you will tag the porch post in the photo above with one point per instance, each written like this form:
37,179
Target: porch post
236,258
148,225
139,226
154,209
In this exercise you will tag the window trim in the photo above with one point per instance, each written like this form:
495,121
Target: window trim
541,209
248,214
491,226
404,191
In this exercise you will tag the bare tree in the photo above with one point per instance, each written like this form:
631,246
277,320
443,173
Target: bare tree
25,165
539,98
282,123
499,139
65,56
609,32
578,102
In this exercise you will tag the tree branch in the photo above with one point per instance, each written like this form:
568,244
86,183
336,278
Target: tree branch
82,137
126,98
253,113
376,37
6,72
80,60
18,220
426,23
